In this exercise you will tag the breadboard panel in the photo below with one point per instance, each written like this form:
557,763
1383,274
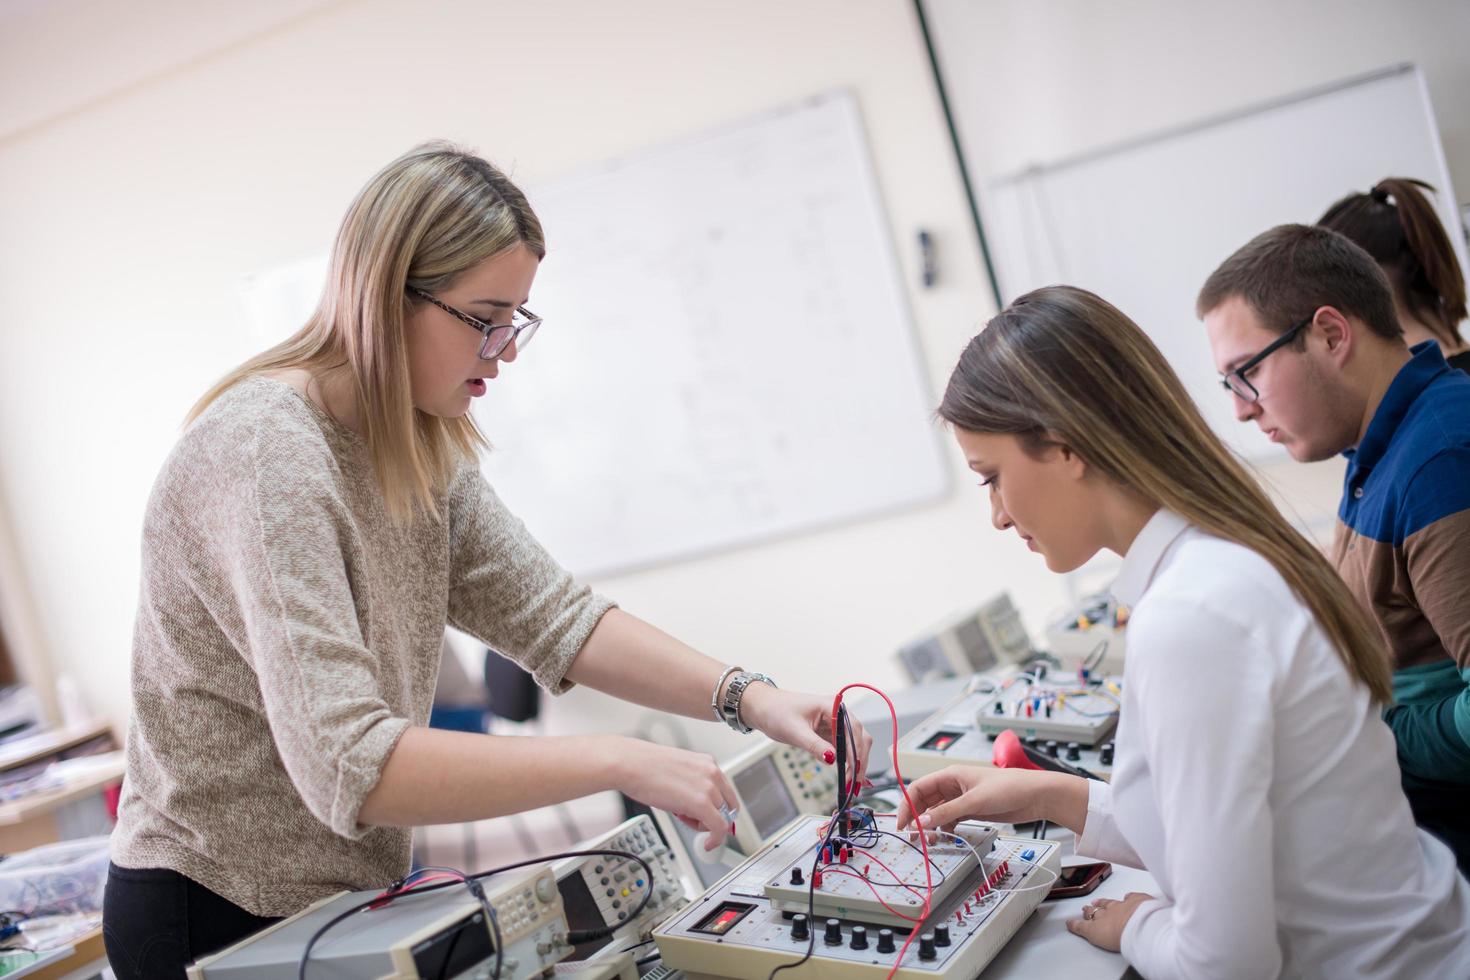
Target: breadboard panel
736,929
876,875
1067,712
963,732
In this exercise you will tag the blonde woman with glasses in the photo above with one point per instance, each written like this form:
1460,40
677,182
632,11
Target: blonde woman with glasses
319,523
1254,779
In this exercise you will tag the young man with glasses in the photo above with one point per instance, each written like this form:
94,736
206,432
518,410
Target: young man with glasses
1302,327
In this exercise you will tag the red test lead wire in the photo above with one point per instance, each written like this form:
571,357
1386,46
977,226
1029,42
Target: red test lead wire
923,835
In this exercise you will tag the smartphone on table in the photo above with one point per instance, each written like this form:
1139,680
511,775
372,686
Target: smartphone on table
1080,879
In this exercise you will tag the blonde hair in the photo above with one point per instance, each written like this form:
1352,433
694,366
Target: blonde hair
420,221
1062,365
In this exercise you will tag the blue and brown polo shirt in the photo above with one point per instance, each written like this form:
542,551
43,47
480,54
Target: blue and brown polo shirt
1403,546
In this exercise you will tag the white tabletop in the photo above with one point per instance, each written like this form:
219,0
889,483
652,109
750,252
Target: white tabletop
1043,947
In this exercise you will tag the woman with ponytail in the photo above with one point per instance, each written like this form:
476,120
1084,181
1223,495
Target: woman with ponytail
1255,779
1396,224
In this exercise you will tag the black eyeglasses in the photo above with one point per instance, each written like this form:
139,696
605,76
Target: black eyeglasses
521,328
1235,381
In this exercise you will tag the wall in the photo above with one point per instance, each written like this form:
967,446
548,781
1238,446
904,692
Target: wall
1065,76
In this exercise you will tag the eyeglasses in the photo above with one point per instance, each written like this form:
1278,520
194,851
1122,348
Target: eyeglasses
1235,381
521,328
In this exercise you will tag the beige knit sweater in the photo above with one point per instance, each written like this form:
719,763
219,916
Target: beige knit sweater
288,633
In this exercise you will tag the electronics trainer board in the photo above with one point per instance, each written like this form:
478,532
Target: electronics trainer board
1070,721
854,919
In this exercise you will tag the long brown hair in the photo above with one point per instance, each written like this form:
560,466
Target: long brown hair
422,220
1062,365
1396,224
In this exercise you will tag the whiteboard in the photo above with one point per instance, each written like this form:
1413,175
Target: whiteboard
727,353
1144,223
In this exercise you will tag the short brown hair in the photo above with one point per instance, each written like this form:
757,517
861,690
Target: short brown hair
1288,272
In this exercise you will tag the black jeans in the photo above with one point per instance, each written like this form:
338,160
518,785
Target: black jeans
155,922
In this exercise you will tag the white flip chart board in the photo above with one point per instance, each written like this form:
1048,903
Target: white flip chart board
727,355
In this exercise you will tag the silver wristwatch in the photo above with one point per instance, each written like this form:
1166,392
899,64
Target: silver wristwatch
730,703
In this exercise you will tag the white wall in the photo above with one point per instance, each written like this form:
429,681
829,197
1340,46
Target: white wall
150,161
1063,76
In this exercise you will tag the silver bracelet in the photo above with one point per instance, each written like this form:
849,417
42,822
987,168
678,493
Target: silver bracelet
714,699
734,694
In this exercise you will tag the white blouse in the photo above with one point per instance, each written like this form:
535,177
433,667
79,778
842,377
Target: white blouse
1259,786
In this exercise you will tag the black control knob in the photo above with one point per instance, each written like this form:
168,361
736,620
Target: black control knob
799,931
1051,747
834,933
1105,754
1000,708
1074,752
926,946
859,937
796,878
885,940
1029,741
941,935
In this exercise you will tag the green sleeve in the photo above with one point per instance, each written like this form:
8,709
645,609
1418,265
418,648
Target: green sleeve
1433,732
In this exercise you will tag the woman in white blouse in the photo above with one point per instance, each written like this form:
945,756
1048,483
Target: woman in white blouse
1255,779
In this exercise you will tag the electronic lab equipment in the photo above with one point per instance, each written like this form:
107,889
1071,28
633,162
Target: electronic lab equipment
774,783
911,706
1093,634
617,966
698,868
975,640
602,891
438,933
1061,710
854,919
1063,718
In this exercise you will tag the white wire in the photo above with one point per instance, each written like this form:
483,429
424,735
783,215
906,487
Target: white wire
1015,852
